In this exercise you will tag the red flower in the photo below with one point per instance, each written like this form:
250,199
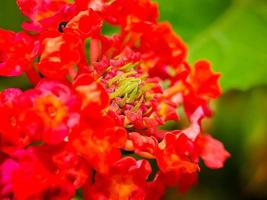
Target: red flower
64,161
125,181
99,142
54,111
92,95
202,85
122,11
53,172
203,81
163,54
142,145
17,52
59,54
175,154
171,51
13,103
87,23
45,14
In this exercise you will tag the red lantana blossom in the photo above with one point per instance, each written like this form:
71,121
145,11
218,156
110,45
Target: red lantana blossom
98,111
126,180
17,51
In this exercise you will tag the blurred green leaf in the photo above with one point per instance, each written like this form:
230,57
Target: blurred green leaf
21,82
190,17
231,34
10,16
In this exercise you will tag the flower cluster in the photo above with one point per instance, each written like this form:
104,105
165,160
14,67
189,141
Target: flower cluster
95,118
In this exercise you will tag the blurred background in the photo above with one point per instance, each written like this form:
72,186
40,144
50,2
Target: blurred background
232,34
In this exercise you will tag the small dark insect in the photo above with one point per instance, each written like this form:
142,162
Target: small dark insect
61,26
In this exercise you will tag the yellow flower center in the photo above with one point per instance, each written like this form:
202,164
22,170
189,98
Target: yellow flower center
121,188
51,110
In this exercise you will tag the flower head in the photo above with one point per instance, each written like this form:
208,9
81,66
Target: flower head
99,101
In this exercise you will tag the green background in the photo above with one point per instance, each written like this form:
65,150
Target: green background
232,34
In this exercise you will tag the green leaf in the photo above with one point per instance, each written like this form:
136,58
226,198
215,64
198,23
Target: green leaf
21,82
10,16
190,17
231,34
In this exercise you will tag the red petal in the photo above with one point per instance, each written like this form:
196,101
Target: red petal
205,81
212,151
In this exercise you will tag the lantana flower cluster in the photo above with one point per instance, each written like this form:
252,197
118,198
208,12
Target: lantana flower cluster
95,118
